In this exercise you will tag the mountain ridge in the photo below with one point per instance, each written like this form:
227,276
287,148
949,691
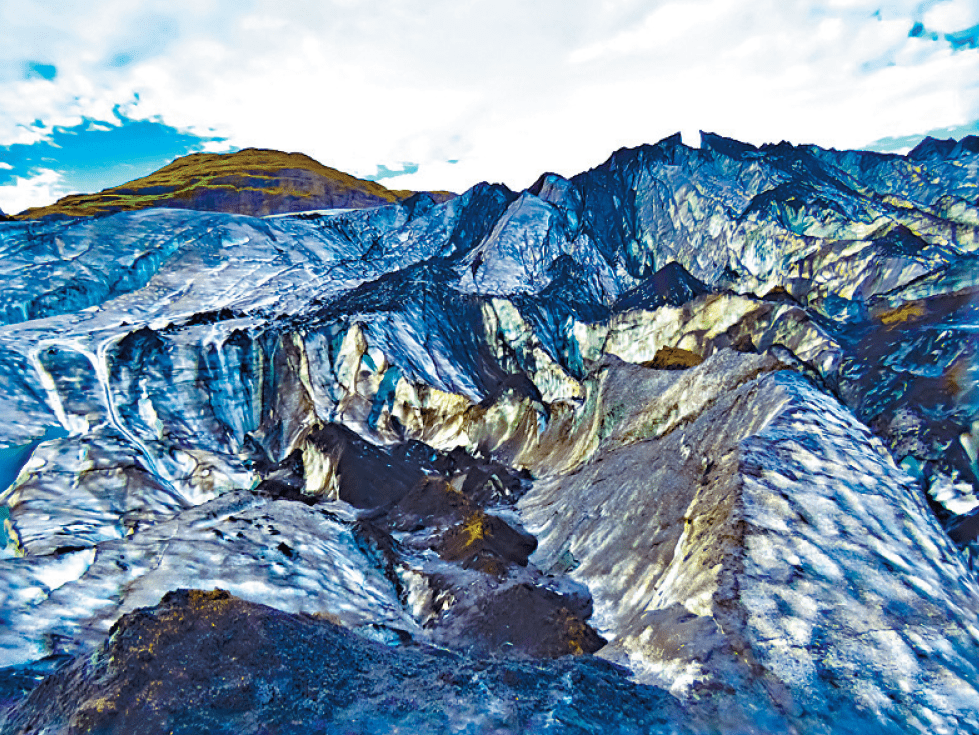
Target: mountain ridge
253,181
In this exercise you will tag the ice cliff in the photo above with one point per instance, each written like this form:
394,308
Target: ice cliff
686,443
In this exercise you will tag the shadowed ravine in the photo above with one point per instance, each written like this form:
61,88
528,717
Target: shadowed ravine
684,444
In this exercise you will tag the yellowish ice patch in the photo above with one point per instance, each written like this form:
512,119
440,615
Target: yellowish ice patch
904,313
474,529
673,358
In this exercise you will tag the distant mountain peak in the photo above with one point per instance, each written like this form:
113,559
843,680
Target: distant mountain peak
251,181
934,149
725,146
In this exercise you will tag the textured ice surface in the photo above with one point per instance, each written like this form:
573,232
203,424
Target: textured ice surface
764,540
739,386
281,553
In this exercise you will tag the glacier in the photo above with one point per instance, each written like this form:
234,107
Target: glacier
699,425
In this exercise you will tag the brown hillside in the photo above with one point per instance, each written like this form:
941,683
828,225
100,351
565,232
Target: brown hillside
252,181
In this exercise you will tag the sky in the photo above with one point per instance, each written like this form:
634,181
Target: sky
442,94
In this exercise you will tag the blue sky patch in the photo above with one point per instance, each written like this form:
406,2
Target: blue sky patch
97,154
969,38
906,142
383,172
37,70
966,38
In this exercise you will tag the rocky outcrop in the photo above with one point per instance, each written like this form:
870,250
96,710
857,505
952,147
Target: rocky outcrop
251,181
705,414
210,662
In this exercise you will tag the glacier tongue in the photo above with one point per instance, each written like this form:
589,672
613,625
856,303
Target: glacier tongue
707,413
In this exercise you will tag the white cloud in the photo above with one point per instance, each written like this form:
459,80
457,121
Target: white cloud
43,188
948,17
666,24
508,88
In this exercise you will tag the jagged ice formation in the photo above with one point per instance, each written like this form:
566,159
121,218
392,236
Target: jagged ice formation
709,415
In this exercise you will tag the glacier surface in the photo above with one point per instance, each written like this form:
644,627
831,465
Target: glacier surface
711,415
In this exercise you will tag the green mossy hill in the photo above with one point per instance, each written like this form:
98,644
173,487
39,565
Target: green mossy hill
252,181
